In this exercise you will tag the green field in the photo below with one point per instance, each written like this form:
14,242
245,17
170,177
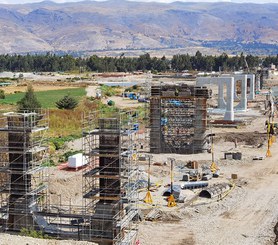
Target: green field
46,98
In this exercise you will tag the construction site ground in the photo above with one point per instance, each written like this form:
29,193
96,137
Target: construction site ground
247,215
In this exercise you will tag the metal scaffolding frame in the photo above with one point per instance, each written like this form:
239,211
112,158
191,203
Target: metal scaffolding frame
178,118
109,212
110,183
144,141
23,178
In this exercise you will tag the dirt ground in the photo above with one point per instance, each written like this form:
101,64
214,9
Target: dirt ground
8,239
247,215
120,102
13,88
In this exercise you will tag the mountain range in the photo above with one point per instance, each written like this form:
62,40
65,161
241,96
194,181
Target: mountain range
88,26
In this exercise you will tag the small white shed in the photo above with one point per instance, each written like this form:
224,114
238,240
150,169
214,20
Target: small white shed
77,161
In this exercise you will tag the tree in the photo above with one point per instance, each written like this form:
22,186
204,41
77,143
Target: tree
144,62
2,94
67,103
29,102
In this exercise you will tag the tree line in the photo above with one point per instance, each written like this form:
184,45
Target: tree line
180,62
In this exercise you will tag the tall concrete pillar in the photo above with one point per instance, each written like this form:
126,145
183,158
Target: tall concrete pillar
230,83
252,86
258,82
221,101
229,114
243,99
200,125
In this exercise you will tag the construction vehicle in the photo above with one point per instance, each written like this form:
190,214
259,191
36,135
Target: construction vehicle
192,175
133,96
192,172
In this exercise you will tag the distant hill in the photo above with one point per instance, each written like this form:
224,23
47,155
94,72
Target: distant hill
119,25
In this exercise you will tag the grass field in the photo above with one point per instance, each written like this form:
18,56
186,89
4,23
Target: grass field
46,98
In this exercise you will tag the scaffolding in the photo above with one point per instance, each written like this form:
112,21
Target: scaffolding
144,140
23,179
110,182
178,118
109,212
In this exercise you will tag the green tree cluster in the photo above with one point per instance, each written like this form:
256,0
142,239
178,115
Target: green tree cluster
53,63
222,62
67,103
29,102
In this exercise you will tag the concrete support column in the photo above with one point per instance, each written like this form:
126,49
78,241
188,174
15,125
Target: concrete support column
230,83
252,87
229,114
200,126
258,82
221,101
243,99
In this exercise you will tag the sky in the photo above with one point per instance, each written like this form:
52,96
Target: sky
162,1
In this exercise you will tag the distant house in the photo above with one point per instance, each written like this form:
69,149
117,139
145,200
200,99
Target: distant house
5,84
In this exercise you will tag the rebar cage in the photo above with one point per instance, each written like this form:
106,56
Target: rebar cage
178,118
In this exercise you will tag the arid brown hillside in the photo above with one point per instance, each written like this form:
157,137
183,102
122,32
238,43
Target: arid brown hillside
119,24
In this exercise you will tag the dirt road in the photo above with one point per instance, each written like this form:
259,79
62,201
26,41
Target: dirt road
249,214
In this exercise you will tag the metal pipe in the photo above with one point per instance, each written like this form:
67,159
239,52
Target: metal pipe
172,173
149,173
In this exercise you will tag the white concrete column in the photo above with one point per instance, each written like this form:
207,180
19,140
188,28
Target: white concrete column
229,114
230,83
258,82
243,99
252,86
221,101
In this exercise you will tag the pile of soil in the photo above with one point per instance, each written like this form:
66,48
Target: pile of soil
248,138
169,216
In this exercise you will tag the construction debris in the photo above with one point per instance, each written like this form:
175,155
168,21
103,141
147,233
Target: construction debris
259,158
233,155
154,214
